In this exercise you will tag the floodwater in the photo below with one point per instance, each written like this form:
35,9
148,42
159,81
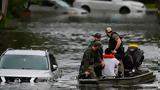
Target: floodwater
67,37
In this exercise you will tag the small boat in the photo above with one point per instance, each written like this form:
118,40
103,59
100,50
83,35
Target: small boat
142,77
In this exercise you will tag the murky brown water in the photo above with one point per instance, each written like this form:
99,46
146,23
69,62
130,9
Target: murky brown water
67,37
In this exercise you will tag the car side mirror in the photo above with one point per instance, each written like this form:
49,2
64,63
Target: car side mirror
54,67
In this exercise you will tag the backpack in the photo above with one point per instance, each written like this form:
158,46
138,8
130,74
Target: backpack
133,58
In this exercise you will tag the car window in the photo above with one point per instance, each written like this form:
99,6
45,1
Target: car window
48,3
62,3
24,62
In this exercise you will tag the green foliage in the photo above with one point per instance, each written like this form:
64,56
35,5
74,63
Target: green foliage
151,6
15,8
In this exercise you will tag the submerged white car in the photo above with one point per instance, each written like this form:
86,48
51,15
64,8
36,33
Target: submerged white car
27,66
121,6
57,6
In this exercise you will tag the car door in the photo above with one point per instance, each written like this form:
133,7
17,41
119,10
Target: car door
101,4
106,5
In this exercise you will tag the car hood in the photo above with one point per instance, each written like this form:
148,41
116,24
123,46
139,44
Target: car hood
24,73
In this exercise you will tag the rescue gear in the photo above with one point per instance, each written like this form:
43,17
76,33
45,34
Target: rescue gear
133,58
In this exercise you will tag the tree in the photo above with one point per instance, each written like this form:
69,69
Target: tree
14,9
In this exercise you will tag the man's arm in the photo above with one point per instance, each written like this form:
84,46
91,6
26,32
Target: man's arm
116,37
118,43
118,40
88,60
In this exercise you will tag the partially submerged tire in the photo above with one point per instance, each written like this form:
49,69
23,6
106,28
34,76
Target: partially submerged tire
86,8
124,10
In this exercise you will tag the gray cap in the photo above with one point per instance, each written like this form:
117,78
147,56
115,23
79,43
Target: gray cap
108,29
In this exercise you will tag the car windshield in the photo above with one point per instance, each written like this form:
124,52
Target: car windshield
24,62
62,3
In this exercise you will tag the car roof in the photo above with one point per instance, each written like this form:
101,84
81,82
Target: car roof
26,52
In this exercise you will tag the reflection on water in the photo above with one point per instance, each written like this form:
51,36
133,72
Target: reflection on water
25,39
16,39
109,17
67,36
20,40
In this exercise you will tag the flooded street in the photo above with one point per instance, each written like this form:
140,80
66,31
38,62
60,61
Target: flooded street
67,37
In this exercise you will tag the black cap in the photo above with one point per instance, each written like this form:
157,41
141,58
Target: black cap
97,35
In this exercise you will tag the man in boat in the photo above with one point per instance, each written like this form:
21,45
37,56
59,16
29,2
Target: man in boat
116,47
133,58
110,69
96,37
98,61
88,61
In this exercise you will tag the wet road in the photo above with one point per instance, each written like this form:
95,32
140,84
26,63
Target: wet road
67,37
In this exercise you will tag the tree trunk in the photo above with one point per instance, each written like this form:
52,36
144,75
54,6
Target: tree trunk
4,8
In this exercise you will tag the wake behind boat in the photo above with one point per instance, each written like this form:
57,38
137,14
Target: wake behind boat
139,78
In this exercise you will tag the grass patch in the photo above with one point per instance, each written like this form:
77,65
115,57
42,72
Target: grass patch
151,6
